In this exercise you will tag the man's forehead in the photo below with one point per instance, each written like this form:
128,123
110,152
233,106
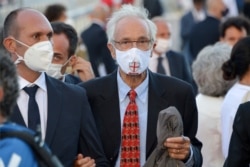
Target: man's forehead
33,21
132,26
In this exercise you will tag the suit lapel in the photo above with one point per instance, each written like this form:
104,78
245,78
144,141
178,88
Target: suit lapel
54,92
111,103
156,103
171,63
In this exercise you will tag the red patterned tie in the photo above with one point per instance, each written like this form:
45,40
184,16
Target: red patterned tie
130,154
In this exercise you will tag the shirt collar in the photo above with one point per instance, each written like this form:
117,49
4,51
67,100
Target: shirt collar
141,90
40,82
155,56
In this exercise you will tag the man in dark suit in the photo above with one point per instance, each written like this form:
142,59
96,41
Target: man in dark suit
173,63
191,18
62,111
187,22
95,40
65,42
207,32
131,40
239,148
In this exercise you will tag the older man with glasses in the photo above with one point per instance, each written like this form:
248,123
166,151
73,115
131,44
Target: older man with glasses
126,103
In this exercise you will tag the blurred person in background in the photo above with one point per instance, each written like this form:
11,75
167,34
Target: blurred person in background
163,59
95,39
206,32
246,8
57,12
154,7
208,76
65,42
233,29
188,20
237,67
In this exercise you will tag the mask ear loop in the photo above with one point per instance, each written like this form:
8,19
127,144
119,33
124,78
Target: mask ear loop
20,58
21,42
67,61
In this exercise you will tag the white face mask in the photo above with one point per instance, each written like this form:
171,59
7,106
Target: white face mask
54,70
163,45
37,57
133,61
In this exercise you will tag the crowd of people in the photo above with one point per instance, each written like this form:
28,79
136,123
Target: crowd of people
103,111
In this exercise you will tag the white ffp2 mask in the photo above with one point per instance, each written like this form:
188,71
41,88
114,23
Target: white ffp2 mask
162,45
37,57
54,70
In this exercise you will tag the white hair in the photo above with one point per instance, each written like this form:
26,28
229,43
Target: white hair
127,11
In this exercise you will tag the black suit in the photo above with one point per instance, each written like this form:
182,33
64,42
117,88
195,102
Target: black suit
69,78
178,66
70,129
163,92
95,39
239,148
204,33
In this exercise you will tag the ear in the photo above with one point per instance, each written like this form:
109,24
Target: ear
154,45
9,44
112,50
1,94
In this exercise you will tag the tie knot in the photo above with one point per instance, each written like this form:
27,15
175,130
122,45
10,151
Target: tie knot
31,91
132,95
160,59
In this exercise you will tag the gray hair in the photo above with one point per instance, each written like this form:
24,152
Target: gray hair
207,70
126,11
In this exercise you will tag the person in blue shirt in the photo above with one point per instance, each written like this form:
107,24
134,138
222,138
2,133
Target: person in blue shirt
14,151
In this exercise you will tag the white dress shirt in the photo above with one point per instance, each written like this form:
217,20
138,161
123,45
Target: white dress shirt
234,97
154,62
41,99
198,15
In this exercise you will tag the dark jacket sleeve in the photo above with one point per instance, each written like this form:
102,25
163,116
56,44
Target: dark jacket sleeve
239,148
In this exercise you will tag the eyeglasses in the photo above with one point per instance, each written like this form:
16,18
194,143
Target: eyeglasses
126,45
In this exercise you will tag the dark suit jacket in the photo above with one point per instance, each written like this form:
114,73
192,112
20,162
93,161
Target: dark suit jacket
178,66
163,92
70,124
95,39
187,23
203,33
239,148
69,78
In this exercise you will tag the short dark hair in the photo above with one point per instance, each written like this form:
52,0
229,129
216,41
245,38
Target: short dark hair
9,83
199,1
70,32
238,64
10,24
54,12
238,22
